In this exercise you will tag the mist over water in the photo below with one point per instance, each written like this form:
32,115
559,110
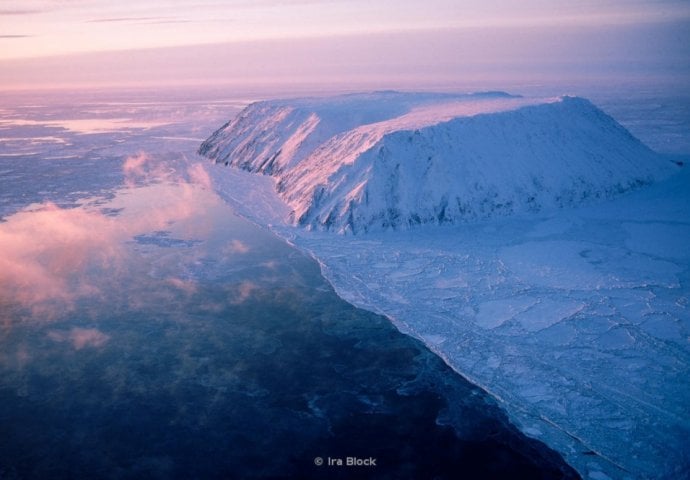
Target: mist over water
215,351
148,332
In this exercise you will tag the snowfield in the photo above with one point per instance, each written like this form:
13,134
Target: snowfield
366,162
576,319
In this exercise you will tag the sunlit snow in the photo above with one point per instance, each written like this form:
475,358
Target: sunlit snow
575,318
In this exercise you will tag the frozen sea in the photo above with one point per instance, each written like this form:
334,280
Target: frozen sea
575,320
147,331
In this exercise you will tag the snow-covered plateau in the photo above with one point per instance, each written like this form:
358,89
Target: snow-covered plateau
534,244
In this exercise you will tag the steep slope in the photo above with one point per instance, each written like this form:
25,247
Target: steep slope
392,160
576,320
270,136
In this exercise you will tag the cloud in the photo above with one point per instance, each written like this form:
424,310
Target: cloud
51,256
18,11
242,292
16,36
121,19
139,20
163,22
235,247
186,286
44,247
80,337
199,175
142,168
135,165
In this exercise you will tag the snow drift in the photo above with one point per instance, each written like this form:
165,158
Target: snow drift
362,162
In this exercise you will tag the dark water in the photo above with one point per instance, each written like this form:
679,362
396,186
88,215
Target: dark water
213,350
147,332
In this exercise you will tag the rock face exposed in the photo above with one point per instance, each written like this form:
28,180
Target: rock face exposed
366,162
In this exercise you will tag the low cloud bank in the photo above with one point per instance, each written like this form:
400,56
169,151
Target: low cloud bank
52,255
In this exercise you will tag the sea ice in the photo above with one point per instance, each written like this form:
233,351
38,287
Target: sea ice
575,320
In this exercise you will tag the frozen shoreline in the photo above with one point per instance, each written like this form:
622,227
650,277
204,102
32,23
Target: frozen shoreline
590,358
532,243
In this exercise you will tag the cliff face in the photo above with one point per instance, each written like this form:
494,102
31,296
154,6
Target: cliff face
574,320
359,163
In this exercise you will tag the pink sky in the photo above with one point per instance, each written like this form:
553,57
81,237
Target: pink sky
371,42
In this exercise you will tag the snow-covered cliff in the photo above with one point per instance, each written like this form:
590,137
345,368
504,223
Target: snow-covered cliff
576,320
365,162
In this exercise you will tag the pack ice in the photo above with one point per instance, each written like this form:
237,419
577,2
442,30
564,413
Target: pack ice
446,213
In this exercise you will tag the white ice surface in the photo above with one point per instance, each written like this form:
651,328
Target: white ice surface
576,320
367,162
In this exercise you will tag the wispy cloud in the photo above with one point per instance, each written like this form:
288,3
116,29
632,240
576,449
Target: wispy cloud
140,20
18,11
142,168
242,292
272,3
163,22
49,254
80,337
199,175
16,36
122,19
44,248
187,286
236,247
